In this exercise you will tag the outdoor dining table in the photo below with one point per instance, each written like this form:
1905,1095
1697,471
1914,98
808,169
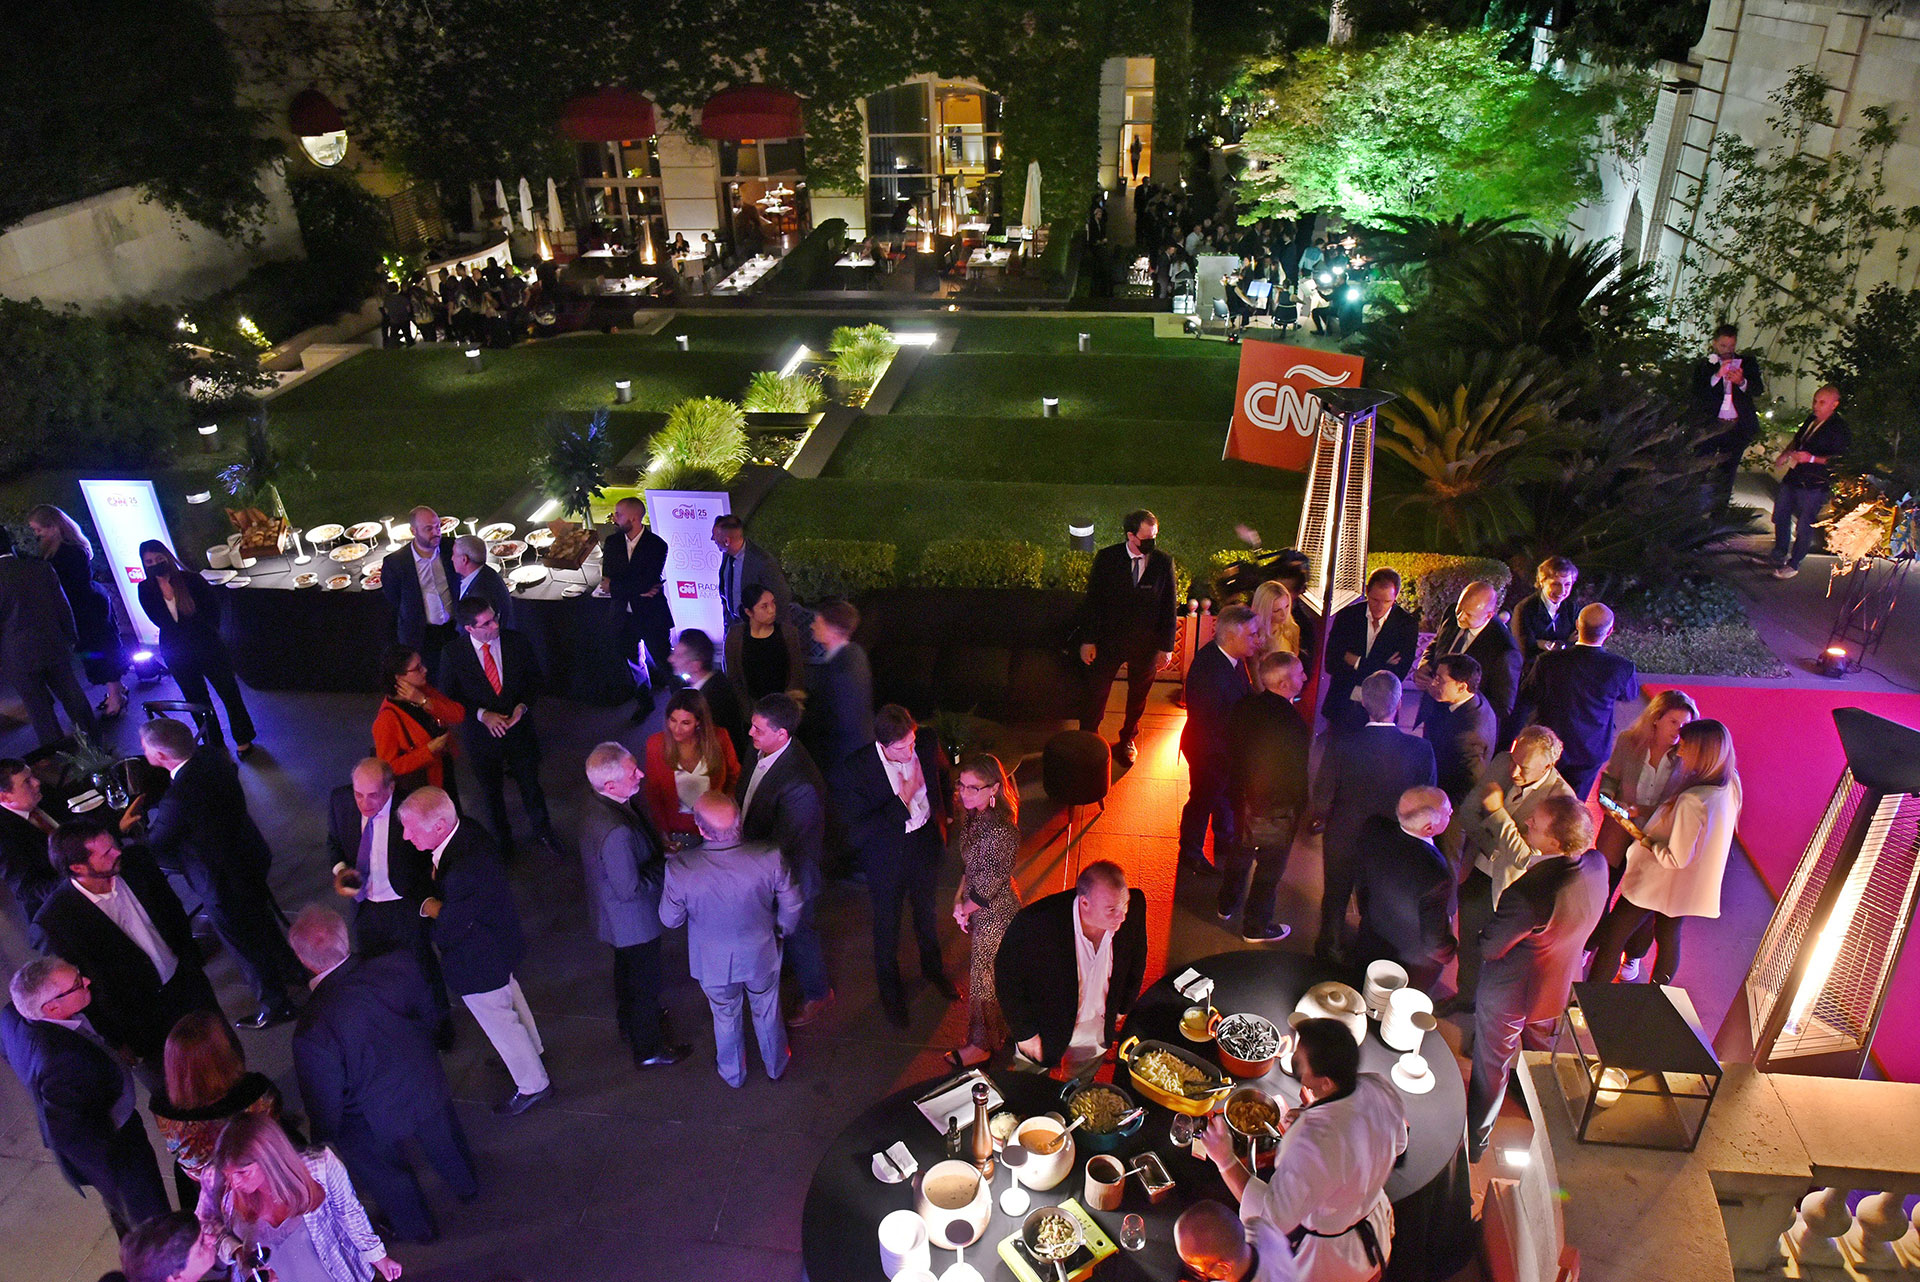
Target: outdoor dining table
985,260
1433,1226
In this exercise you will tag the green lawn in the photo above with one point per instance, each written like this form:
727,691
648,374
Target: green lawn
1107,451
1061,334
1010,385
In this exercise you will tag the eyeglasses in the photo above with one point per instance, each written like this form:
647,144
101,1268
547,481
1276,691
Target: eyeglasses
976,787
79,983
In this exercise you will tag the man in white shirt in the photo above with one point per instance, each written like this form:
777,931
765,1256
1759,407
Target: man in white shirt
417,581
1215,1245
892,796
1327,1190
1070,967
472,574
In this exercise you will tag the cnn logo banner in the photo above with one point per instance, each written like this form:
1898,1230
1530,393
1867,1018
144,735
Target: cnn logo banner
1275,411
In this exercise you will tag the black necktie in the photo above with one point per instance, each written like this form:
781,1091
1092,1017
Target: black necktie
726,585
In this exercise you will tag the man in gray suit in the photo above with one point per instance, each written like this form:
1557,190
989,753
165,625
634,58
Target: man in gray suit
737,900
625,860
1489,830
37,637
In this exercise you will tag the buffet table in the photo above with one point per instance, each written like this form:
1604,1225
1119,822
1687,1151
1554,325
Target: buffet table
1433,1225
284,636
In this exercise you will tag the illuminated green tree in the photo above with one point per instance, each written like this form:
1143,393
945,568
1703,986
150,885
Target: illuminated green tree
1433,122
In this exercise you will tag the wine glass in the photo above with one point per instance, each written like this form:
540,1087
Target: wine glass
1133,1232
957,1232
1015,1200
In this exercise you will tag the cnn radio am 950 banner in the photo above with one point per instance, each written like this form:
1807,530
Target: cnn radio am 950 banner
1275,410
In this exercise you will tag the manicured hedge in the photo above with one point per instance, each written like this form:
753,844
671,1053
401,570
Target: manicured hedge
821,568
981,563
1430,582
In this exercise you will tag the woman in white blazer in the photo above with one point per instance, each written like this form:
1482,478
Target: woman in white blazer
1675,868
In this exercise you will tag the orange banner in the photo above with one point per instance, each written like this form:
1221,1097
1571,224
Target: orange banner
1275,412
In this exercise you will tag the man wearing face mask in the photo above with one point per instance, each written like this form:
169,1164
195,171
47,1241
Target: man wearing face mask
1126,618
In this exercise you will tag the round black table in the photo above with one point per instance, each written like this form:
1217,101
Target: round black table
1433,1230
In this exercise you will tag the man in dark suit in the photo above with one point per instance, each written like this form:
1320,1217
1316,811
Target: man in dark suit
1574,692
783,801
634,564
893,795
1531,951
476,927
692,660
1475,631
1542,622
1127,617
743,562
474,577
1722,390
1059,954
387,879
1803,492
200,827
1217,679
369,1075
1362,775
417,581
1267,746
115,917
1461,725
24,829
83,1095
737,899
839,712
1369,636
1407,888
37,637
493,673
624,858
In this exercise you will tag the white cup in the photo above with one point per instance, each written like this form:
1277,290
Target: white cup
1384,979
903,1244
1043,1170
219,557
1106,1183
1408,1019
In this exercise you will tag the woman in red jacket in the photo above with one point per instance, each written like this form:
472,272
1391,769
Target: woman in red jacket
688,759
413,731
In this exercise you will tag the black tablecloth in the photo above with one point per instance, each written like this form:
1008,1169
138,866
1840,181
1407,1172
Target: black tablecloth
287,638
1433,1229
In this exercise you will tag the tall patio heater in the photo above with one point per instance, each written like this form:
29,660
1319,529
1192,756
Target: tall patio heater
1333,517
1818,984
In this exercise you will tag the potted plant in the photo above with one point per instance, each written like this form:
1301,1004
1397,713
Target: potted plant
255,482
93,763
572,470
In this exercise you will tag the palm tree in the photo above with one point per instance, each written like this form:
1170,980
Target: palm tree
1522,291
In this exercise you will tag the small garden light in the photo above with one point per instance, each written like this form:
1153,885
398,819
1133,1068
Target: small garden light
210,438
1080,535
200,496
1834,662
1049,407
1086,342
684,342
473,360
622,391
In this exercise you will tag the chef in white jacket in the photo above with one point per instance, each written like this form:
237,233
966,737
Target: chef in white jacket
1327,1193
1676,864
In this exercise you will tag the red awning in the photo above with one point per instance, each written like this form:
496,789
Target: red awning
608,115
312,113
749,112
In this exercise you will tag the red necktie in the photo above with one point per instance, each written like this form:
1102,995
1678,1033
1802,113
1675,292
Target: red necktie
491,668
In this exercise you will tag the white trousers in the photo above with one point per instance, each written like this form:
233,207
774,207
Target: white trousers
508,1022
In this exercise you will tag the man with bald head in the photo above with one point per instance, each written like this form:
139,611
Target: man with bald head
474,577
634,565
417,581
1214,1244
737,901
1574,691
1476,630
1407,888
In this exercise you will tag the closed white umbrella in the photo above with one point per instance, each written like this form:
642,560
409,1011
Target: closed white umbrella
500,199
526,205
479,206
1030,207
554,221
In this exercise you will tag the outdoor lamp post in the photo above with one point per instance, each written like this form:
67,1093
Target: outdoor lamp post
1086,342
1049,407
210,438
622,391
473,360
683,341
1080,535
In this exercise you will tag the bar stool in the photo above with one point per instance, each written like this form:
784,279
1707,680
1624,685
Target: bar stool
1076,769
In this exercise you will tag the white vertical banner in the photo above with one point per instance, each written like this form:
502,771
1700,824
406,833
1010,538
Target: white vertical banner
684,518
126,514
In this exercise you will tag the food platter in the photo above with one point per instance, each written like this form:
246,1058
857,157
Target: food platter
507,550
366,531
526,576
371,580
348,552
306,579
336,582
239,581
325,533
540,539
216,577
448,524
491,534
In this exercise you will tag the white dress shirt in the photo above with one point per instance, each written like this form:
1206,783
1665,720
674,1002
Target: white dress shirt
130,915
919,808
441,849
466,581
379,884
1373,630
480,649
433,585
760,772
1096,974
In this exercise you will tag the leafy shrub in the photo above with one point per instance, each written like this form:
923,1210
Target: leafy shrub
846,336
821,568
82,391
771,392
1730,648
1430,582
687,476
1694,602
981,563
1068,571
704,432
860,366
572,466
